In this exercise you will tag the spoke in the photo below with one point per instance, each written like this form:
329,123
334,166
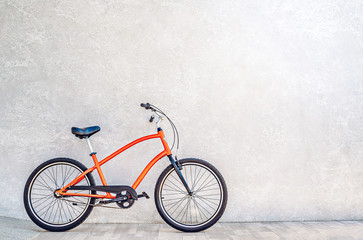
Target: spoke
175,203
51,179
52,173
172,199
56,174
197,181
206,204
209,190
66,208
50,205
200,211
39,199
196,177
73,209
173,190
69,211
196,209
62,175
208,199
40,184
68,177
181,201
62,210
44,183
39,189
78,208
207,185
65,176
187,211
55,214
53,208
207,195
191,176
186,176
168,194
204,182
178,181
204,210
192,211
178,189
44,207
37,194
182,210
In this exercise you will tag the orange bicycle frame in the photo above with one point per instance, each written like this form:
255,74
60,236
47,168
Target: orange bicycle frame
98,164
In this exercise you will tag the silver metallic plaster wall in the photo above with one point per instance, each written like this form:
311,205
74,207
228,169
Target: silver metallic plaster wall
270,92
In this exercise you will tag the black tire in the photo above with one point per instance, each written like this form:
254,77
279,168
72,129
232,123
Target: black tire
191,213
44,208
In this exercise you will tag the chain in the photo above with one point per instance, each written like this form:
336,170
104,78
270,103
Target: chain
94,205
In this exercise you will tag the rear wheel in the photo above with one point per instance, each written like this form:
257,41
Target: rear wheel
199,211
57,213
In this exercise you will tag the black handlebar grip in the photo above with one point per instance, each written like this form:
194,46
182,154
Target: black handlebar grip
146,106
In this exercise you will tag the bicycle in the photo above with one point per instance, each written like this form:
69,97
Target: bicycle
190,194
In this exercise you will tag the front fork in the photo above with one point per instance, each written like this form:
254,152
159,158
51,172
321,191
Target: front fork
177,170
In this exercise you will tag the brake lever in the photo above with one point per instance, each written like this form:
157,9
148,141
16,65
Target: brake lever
151,119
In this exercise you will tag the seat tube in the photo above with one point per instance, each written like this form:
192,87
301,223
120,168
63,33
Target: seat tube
97,164
98,167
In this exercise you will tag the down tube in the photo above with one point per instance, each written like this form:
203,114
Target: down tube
147,168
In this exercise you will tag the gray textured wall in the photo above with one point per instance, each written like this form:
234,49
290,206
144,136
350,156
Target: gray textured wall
270,92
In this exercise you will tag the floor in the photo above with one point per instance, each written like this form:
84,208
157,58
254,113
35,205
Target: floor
19,229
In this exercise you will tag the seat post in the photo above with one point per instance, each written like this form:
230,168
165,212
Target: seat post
90,146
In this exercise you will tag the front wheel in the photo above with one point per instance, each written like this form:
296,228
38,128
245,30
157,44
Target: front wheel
196,212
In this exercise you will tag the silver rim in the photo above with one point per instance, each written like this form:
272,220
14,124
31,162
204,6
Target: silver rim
191,211
45,206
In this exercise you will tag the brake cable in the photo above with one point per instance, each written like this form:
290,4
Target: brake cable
175,130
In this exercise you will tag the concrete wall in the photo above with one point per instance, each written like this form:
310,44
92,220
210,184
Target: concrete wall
270,92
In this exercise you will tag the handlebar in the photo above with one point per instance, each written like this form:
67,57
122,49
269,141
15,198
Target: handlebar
146,106
160,115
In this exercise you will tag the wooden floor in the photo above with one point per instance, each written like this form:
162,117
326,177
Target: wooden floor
333,230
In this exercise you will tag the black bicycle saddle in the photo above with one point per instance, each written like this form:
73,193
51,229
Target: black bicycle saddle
85,132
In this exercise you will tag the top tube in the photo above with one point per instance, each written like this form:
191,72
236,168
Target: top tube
158,135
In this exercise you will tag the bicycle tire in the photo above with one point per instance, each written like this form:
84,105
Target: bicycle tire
198,212
44,208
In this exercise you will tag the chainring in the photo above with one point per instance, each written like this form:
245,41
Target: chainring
125,203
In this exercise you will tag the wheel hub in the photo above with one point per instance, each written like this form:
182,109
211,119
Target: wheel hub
56,193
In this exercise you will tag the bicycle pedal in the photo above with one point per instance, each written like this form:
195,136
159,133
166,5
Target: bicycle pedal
144,194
